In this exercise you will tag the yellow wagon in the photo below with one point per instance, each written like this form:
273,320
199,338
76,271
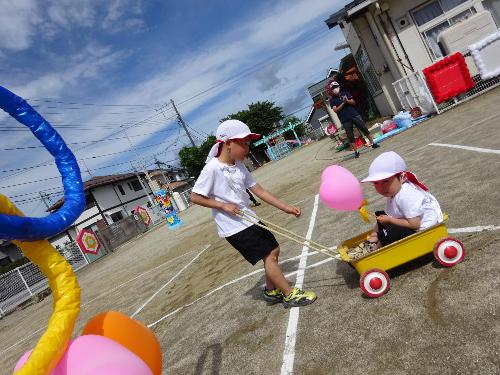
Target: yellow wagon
374,280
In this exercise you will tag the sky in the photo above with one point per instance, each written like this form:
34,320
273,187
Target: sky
102,71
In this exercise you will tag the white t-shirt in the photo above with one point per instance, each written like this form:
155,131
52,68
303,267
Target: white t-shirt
412,201
226,183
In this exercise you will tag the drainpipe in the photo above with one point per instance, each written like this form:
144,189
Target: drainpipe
385,48
389,20
394,67
388,42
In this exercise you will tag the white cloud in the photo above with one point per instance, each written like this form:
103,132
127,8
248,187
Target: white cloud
227,62
18,21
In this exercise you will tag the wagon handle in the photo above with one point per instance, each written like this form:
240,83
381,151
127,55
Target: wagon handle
287,234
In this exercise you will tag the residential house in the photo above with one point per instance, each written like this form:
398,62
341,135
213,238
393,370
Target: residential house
111,198
391,39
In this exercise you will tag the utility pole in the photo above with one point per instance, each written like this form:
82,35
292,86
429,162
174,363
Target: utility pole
143,170
87,168
43,199
181,121
165,177
142,184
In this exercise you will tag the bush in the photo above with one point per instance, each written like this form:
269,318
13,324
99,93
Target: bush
14,264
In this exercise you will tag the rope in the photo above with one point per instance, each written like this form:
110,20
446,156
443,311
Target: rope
287,234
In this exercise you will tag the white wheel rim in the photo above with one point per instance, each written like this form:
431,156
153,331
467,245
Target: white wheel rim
371,276
442,247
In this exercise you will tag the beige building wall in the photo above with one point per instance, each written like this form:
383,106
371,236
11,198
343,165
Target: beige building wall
393,43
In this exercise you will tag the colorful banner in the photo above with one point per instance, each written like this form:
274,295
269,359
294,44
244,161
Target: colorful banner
90,245
165,201
143,214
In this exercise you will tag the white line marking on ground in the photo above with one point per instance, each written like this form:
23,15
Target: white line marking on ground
97,297
451,230
136,277
468,148
222,287
473,229
168,282
22,340
291,331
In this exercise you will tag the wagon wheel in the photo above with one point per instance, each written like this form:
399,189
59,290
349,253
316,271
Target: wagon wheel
375,283
449,252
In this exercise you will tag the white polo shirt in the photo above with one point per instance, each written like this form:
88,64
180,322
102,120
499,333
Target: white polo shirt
411,201
226,183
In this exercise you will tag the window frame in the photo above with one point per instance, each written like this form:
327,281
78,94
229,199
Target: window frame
136,185
446,16
368,72
120,189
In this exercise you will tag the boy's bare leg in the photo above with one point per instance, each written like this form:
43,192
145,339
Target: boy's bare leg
274,275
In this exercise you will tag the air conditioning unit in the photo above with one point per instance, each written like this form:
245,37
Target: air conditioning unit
458,37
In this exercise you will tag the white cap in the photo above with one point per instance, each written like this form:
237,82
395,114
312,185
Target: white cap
384,166
234,129
334,83
230,129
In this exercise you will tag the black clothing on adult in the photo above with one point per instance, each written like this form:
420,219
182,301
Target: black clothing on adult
348,115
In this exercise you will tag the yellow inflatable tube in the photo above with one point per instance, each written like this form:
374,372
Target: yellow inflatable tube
66,300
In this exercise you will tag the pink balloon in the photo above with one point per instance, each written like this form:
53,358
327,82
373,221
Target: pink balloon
340,189
96,355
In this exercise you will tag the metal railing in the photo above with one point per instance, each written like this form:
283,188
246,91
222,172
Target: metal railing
412,91
25,282
120,232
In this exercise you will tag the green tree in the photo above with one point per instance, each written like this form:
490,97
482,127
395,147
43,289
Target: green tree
299,129
261,117
193,158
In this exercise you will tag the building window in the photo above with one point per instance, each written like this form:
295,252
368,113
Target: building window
136,185
117,216
120,189
436,16
367,71
129,186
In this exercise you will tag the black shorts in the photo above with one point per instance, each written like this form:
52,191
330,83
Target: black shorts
390,233
254,243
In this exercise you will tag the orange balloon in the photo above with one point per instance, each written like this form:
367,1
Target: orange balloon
130,333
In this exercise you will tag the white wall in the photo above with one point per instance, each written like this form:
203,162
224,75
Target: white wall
109,195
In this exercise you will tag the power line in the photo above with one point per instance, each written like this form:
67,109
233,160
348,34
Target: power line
52,100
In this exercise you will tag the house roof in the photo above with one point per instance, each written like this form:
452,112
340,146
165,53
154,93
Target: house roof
349,10
97,181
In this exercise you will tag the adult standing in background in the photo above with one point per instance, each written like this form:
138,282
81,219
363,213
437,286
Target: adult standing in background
344,105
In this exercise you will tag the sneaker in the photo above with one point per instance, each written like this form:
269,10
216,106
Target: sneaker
356,154
375,145
273,295
298,298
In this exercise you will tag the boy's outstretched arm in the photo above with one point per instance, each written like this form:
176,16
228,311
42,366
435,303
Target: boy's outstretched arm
212,203
272,200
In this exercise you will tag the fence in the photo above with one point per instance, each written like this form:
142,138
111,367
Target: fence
186,197
22,283
412,91
120,232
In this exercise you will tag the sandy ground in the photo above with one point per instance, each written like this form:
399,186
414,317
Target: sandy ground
434,320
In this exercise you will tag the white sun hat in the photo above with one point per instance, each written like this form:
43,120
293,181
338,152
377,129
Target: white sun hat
384,166
230,129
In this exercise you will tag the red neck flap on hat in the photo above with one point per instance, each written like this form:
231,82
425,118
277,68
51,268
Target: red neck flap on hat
410,176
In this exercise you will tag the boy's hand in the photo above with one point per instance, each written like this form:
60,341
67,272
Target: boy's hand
292,210
384,219
230,208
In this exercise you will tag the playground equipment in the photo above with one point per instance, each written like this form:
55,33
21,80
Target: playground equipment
277,147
